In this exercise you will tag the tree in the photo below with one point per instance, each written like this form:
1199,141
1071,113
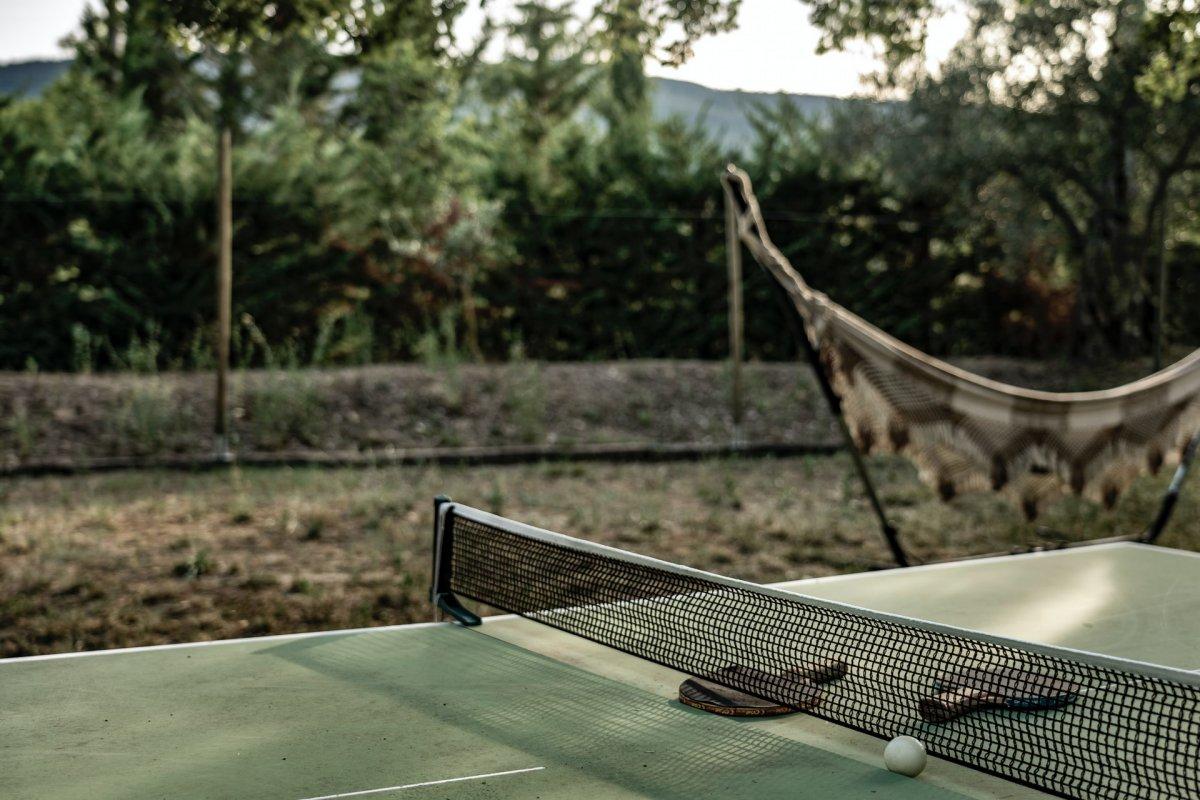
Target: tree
1048,98
546,75
236,49
1174,70
631,31
353,207
121,46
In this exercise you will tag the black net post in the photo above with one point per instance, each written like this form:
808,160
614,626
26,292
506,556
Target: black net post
443,556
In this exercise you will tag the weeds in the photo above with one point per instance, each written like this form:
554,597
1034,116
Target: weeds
242,513
525,398
200,351
259,583
141,354
145,416
301,586
724,496
82,357
495,498
438,350
23,430
314,529
199,564
343,338
282,407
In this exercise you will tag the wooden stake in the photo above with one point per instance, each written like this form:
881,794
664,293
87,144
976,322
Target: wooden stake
733,250
1160,338
224,287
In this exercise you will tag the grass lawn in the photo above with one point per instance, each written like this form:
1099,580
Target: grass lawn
137,558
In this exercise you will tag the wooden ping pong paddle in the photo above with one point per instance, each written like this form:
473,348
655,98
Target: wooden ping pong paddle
707,694
970,690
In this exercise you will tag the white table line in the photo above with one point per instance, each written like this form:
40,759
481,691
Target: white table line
365,792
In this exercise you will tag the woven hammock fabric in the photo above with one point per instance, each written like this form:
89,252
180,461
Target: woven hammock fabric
966,432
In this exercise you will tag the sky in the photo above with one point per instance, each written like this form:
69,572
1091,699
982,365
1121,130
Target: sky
772,50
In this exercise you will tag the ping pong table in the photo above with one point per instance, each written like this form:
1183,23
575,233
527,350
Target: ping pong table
516,708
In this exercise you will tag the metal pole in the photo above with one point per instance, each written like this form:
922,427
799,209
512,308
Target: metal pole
890,534
1171,497
224,287
733,252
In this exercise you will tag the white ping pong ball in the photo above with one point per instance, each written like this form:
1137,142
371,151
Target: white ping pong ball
905,755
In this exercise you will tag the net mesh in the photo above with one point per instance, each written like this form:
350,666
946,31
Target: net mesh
1115,733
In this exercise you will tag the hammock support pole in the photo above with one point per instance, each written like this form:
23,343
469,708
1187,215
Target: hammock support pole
890,534
1167,507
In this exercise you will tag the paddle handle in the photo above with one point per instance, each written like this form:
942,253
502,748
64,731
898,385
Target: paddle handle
953,704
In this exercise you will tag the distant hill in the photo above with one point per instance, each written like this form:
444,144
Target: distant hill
724,113
29,78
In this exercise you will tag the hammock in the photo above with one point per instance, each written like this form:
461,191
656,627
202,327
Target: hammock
966,432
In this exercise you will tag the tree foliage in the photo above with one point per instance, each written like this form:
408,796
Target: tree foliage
1049,101
397,196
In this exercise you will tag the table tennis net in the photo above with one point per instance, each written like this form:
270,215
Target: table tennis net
1126,729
